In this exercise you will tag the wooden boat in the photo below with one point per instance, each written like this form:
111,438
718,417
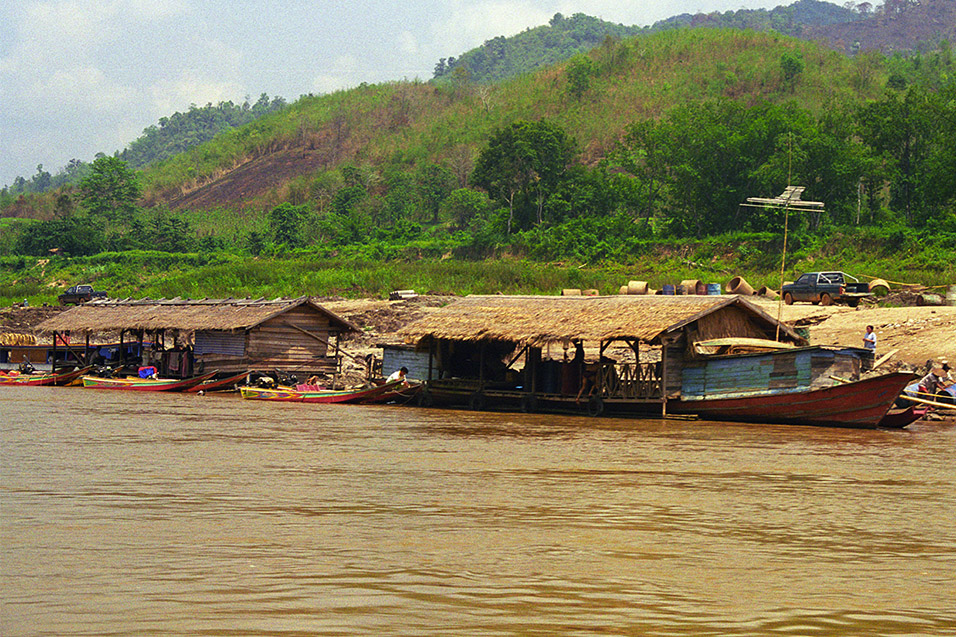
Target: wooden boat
214,384
316,394
279,394
59,378
863,403
404,392
145,384
899,418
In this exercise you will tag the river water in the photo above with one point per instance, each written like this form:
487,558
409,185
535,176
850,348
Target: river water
153,514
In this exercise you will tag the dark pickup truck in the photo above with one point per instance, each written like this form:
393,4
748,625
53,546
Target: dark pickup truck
826,288
80,294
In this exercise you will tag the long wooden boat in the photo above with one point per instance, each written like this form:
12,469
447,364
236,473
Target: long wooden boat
145,384
402,392
279,394
899,418
863,403
59,378
315,394
214,384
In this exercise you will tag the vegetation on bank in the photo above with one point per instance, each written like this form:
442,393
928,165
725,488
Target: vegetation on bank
894,254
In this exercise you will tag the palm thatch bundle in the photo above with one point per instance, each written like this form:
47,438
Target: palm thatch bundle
180,314
541,319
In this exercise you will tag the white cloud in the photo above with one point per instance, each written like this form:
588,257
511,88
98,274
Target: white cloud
407,43
341,74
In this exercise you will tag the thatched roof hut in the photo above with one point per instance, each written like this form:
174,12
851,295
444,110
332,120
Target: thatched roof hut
181,314
537,320
230,335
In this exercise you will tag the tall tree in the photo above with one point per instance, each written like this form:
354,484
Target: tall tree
523,163
111,189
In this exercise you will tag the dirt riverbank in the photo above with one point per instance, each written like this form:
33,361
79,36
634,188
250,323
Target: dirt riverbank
918,333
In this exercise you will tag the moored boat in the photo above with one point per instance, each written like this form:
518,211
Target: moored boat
317,394
51,378
863,403
145,384
214,384
278,394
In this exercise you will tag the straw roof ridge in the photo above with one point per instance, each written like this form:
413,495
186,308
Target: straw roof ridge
147,314
539,319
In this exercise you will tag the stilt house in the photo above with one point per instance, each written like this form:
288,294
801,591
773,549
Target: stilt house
230,335
638,347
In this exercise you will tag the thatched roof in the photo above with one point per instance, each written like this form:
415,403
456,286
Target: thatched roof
179,314
540,319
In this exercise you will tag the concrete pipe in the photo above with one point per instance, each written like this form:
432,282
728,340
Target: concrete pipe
637,287
690,285
879,287
623,290
767,292
737,285
571,292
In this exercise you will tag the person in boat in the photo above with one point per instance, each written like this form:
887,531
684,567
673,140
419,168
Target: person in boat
399,374
938,379
869,339
26,367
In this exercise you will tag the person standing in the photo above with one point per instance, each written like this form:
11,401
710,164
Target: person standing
869,339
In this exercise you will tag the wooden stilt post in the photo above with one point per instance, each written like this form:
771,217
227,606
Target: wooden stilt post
53,361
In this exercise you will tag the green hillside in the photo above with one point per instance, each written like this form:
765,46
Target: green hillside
628,154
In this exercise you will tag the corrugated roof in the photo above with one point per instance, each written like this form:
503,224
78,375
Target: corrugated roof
180,314
540,319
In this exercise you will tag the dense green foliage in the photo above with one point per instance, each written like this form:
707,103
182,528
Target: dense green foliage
181,131
504,57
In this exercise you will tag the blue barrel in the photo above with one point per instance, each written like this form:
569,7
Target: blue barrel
668,289
713,288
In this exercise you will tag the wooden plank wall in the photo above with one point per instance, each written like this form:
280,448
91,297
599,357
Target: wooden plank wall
800,369
276,344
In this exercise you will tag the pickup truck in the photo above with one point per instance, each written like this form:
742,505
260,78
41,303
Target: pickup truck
80,294
826,288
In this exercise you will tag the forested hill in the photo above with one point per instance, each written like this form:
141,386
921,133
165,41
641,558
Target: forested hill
891,26
503,57
564,37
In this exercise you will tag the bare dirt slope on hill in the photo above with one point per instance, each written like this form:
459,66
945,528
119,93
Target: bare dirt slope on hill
251,180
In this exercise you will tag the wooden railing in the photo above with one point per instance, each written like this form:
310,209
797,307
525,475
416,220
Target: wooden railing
631,380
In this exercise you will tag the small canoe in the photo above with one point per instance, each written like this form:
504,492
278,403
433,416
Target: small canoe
60,378
315,394
280,394
899,418
403,393
145,384
357,395
213,384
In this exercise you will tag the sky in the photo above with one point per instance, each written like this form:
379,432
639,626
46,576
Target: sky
78,77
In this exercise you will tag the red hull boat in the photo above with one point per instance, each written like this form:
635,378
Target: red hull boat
862,404
213,385
62,378
145,384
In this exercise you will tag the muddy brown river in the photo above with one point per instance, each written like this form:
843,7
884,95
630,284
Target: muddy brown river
152,514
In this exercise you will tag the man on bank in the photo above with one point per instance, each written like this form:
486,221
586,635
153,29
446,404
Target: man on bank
869,339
